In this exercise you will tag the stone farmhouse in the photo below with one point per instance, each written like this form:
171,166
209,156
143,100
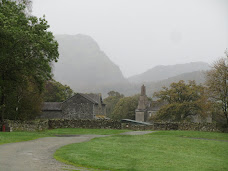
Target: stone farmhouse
79,106
147,109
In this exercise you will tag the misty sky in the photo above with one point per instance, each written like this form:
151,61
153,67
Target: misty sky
140,34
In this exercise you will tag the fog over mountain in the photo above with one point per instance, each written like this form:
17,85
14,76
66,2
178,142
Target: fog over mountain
163,72
86,68
139,35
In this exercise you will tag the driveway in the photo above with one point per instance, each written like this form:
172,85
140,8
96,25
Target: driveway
37,155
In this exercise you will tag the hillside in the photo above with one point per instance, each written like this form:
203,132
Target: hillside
164,72
85,68
198,76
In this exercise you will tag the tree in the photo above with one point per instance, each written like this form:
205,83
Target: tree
56,92
115,94
217,82
125,108
29,105
111,102
26,51
182,101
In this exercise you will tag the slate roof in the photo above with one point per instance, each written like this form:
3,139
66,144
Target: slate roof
55,106
52,106
90,97
94,98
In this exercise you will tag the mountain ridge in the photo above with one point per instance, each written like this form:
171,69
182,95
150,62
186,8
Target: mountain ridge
161,72
86,68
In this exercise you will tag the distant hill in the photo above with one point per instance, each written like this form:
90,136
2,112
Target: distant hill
85,68
164,72
151,87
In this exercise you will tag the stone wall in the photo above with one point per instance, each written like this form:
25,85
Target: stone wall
109,124
188,126
80,123
36,125
39,125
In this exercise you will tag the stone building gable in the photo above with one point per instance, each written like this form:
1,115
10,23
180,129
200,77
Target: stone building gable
96,97
83,97
79,106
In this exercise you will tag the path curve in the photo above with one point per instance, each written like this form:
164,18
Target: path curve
37,155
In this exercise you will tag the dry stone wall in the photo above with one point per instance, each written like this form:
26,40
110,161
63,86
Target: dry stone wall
35,125
80,123
188,126
39,125
108,124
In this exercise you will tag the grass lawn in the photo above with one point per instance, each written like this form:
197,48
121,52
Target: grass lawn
81,131
163,150
10,137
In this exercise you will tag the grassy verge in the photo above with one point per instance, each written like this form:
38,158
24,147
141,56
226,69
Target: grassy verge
164,150
81,131
10,137
194,134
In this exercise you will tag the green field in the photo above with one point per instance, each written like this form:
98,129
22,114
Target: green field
163,150
10,137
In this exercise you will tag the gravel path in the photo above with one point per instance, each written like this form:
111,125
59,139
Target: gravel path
37,155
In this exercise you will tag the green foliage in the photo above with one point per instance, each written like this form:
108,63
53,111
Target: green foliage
125,108
178,111
115,94
56,92
29,105
183,100
111,102
217,82
26,51
163,150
